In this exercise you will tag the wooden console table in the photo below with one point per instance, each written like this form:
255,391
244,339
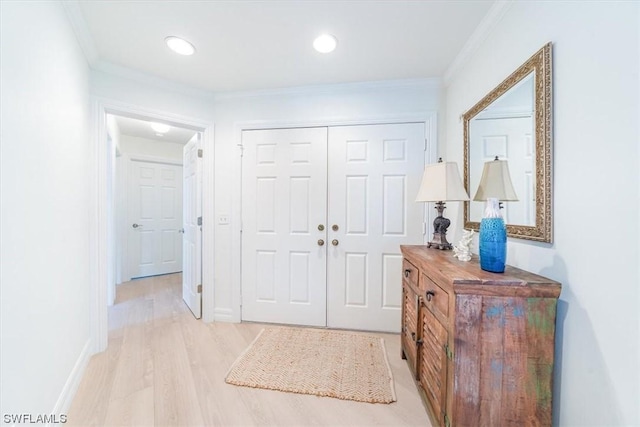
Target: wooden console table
480,344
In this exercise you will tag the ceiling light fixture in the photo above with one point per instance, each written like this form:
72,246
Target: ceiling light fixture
325,43
179,45
160,127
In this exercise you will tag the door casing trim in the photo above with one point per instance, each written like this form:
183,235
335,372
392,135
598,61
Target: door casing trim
99,229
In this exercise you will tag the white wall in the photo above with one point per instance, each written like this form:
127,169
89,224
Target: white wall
133,91
596,179
310,105
45,202
132,145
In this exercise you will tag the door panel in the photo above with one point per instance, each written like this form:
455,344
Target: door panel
155,219
374,175
284,197
192,237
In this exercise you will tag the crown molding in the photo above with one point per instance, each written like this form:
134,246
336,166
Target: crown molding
150,79
319,89
85,40
482,31
81,30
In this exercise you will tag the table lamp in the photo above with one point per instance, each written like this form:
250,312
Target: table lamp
495,187
441,183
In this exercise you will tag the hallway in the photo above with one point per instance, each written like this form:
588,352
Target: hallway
163,367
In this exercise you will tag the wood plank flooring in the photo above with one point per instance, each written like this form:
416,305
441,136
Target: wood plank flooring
163,367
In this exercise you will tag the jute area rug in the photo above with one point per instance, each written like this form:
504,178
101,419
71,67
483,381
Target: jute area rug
340,364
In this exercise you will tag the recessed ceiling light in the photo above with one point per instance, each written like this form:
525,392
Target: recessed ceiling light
325,43
159,134
160,127
179,45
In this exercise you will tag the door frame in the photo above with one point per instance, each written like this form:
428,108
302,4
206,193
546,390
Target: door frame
429,118
100,228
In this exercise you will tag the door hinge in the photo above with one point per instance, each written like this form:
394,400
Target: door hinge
199,289
241,150
448,352
426,144
199,152
424,228
199,220
447,421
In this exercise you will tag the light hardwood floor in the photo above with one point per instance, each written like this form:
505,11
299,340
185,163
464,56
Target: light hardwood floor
163,367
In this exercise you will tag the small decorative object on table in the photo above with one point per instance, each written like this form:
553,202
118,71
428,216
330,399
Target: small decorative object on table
462,250
495,186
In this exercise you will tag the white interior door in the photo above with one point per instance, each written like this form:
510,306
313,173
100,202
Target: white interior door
374,176
155,217
284,201
363,179
192,229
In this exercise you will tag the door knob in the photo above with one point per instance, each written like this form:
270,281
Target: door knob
335,242
320,242
181,230
335,227
136,225
320,227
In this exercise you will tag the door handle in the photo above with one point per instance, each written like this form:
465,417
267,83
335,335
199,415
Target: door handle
320,242
335,242
181,230
136,225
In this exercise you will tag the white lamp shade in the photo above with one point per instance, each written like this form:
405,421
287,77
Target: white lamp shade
496,182
441,182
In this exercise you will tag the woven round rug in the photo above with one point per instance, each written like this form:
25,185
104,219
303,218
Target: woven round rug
341,364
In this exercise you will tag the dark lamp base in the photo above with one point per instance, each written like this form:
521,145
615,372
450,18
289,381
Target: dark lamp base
440,242
440,225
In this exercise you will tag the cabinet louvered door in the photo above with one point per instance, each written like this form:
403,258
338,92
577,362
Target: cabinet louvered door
410,327
433,362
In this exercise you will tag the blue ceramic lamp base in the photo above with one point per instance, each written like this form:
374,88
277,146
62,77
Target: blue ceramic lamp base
493,244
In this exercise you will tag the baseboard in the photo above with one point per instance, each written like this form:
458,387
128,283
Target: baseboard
71,386
224,315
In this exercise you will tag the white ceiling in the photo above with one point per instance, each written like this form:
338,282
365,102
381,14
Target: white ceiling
142,129
250,45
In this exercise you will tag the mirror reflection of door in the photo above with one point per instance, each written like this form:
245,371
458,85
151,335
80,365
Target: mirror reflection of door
505,129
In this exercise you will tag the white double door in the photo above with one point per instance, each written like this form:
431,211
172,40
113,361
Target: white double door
325,211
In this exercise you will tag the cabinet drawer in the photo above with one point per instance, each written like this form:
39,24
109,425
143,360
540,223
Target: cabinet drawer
435,298
410,273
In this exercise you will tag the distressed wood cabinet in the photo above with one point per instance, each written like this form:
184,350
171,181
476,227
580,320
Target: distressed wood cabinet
480,344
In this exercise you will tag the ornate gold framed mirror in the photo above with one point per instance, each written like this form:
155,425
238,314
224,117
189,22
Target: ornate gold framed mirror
513,122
